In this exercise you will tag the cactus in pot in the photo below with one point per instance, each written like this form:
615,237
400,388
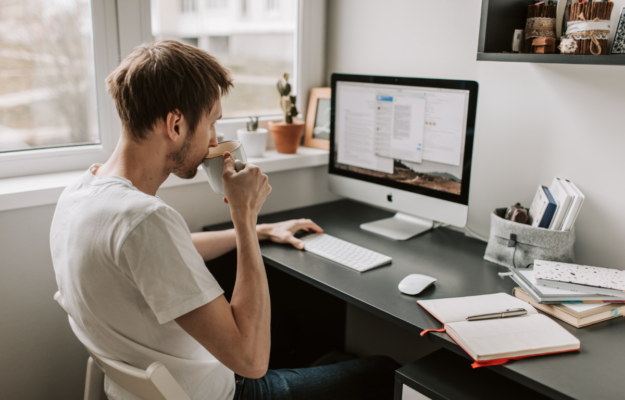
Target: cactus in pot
288,133
252,124
287,101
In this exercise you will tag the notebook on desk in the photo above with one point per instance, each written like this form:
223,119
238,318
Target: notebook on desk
496,341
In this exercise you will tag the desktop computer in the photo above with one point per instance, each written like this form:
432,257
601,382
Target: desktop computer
403,144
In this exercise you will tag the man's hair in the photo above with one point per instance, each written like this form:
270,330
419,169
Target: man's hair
161,77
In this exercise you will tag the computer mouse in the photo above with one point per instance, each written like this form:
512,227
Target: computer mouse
415,283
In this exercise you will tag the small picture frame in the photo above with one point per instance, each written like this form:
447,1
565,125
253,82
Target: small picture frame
618,44
318,119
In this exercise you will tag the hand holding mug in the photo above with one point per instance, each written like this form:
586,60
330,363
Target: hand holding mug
214,162
245,190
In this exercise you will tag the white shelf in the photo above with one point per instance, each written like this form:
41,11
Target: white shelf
38,190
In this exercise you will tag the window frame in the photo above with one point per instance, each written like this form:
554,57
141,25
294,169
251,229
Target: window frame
119,26
54,159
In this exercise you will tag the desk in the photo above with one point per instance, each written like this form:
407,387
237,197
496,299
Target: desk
457,262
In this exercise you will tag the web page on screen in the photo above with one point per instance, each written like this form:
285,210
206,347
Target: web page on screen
413,135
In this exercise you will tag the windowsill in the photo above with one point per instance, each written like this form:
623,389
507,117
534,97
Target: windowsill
38,190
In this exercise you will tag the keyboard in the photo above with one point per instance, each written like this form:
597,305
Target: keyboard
344,253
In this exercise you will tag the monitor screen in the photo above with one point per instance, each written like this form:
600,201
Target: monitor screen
407,133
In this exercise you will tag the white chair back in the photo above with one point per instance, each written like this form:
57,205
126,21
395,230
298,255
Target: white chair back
154,383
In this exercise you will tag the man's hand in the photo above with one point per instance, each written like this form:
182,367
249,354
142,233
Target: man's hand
245,190
283,232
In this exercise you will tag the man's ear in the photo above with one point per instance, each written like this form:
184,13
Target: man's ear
173,124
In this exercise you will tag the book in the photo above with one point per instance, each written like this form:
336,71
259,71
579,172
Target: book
548,295
561,194
578,315
575,207
581,278
496,341
543,208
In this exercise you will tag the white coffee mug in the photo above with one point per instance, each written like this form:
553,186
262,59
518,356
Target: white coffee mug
214,162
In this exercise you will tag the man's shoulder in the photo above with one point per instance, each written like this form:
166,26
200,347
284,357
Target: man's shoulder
112,204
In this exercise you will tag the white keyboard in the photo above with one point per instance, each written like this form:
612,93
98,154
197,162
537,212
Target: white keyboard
344,253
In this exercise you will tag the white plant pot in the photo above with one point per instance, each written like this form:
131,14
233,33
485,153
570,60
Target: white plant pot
254,142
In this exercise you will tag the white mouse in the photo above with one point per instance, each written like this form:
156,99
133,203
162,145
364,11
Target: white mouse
415,283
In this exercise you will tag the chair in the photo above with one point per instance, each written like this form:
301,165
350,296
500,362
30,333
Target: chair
154,383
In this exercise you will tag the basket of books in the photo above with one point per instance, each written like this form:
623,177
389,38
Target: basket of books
546,233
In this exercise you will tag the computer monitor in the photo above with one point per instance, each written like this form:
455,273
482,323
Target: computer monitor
403,144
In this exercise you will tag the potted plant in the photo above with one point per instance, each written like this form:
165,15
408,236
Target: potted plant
287,134
253,138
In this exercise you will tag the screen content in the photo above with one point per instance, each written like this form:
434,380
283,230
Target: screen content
413,135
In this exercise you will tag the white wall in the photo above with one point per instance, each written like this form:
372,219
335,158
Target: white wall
40,358
534,121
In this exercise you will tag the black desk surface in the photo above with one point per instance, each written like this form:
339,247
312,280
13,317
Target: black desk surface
596,371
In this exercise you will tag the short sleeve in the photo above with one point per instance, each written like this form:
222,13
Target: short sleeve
166,267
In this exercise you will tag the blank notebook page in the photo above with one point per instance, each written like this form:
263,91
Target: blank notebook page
459,308
512,337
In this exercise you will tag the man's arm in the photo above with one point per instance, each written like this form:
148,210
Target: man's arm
238,334
211,245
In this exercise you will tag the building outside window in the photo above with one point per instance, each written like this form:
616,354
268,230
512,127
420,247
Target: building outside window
188,6
273,5
216,4
257,48
47,75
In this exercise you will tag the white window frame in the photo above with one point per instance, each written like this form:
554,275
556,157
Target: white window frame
119,26
309,66
106,53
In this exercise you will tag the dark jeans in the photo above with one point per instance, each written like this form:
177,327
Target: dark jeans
363,379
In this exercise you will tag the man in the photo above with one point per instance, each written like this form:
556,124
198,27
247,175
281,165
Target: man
133,278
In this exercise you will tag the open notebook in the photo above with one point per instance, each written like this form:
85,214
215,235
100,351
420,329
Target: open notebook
495,341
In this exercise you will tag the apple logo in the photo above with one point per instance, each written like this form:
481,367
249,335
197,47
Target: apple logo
389,197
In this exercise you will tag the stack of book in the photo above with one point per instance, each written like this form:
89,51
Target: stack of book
557,206
577,294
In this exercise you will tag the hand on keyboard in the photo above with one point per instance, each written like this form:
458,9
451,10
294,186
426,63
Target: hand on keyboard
283,232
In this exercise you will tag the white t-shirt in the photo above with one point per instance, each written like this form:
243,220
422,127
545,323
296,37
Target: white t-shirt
126,268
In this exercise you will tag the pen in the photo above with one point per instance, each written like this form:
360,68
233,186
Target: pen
515,312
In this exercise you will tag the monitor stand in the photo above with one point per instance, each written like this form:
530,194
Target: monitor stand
399,227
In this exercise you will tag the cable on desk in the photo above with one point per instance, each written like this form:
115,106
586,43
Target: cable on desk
475,235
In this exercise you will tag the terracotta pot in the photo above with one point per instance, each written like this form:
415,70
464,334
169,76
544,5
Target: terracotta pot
286,136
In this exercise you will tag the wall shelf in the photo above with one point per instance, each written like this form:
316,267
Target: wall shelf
498,21
553,58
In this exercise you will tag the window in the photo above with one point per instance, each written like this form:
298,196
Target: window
47,75
257,50
45,128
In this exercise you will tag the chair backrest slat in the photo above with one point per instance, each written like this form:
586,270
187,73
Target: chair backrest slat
131,379
155,383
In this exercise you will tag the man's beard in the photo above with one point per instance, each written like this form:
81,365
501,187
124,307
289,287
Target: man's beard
180,159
